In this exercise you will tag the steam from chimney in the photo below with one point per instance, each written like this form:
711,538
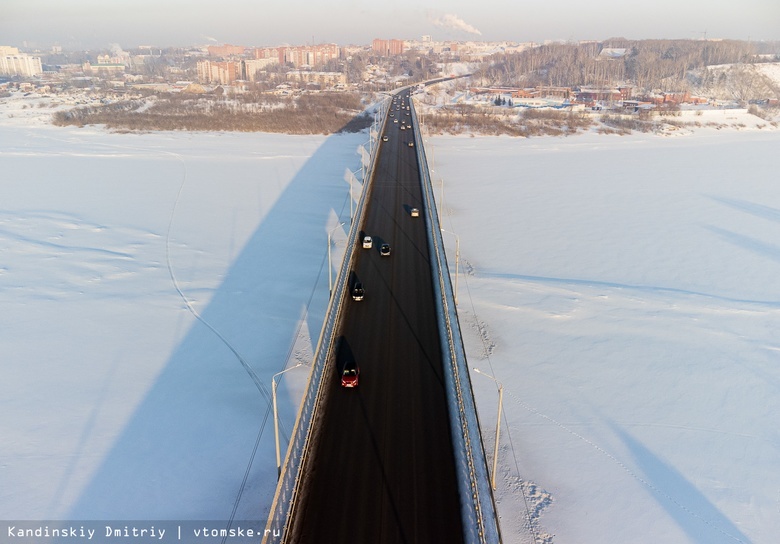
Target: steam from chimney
448,20
116,50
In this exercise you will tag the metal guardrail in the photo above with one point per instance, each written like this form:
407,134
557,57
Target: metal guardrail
478,509
287,489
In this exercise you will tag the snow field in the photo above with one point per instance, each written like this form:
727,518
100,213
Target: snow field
624,290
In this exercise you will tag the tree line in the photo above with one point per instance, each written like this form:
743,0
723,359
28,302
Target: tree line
648,64
468,118
325,113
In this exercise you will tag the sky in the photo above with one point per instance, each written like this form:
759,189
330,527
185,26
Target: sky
91,24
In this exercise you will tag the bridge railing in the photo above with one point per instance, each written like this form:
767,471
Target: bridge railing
478,509
288,488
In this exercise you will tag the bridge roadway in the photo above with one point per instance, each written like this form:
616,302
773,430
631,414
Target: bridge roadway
382,470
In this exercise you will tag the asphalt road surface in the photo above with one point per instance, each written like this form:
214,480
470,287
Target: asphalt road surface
383,469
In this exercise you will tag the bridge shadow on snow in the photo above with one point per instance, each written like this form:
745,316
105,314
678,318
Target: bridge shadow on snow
188,449
701,520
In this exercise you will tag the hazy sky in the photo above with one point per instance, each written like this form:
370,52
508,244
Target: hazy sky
97,23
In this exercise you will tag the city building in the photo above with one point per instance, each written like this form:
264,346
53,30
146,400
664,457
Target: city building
107,65
224,72
227,72
301,55
250,67
320,79
270,53
226,50
103,69
311,55
14,63
387,48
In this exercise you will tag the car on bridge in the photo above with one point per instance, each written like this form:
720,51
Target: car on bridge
358,292
350,374
368,242
415,212
384,250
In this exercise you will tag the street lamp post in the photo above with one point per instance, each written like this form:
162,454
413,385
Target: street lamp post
441,200
330,267
276,419
352,179
457,260
433,157
498,423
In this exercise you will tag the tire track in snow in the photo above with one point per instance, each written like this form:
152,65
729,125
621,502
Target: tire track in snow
252,374
188,304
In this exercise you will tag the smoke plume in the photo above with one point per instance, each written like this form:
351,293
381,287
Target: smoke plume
454,22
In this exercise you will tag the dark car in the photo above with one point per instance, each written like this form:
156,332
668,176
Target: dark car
357,291
384,250
350,374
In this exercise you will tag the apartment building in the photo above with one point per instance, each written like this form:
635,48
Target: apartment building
270,53
387,48
311,55
14,63
226,50
250,67
301,55
224,73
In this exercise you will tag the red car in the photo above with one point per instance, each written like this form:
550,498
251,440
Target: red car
349,375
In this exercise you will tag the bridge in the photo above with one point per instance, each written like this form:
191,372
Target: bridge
398,458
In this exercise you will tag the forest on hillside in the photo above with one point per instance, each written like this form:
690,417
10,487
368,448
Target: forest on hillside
647,65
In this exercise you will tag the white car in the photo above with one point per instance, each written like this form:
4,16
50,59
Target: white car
415,212
368,243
